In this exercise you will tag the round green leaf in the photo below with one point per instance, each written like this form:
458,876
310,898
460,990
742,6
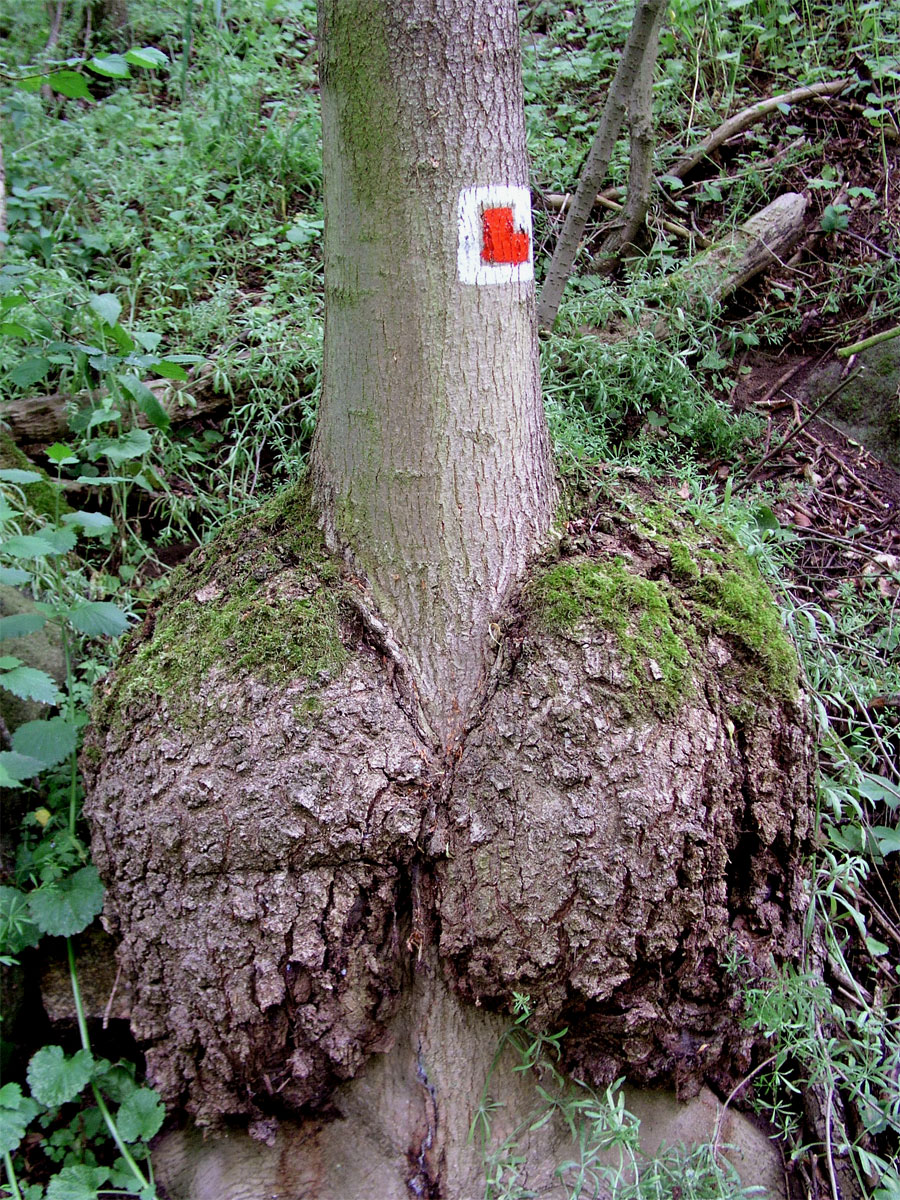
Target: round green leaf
68,906
55,1079
140,1116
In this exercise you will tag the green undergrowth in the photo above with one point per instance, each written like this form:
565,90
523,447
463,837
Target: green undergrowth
707,587
263,598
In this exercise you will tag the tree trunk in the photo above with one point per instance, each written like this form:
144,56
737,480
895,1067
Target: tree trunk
431,459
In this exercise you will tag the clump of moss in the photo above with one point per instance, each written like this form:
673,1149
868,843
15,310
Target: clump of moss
704,584
639,611
263,598
737,603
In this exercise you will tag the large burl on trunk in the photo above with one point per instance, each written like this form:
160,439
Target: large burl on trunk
629,802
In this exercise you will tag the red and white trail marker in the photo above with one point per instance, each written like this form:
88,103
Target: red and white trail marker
495,239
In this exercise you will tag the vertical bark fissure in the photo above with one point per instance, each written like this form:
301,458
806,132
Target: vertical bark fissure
433,471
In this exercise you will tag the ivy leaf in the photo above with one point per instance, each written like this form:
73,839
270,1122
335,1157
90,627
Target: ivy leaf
20,624
29,683
78,1182
140,1116
16,1111
106,306
50,742
94,617
55,1079
68,906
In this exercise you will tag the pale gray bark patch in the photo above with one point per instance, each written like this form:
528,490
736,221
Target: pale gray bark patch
277,852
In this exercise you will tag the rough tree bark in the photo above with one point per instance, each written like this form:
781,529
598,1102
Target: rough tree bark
369,766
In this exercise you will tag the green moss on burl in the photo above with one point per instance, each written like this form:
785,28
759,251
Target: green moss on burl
737,603
264,599
637,610
710,588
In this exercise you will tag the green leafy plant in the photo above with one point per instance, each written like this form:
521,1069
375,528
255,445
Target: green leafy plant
606,1157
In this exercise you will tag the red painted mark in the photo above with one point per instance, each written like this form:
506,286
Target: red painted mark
501,242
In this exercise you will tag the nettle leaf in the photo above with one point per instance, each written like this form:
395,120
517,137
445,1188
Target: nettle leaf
14,575
16,1111
55,1079
50,742
77,1182
147,56
28,545
14,768
140,1116
62,540
29,371
90,522
70,84
14,475
146,401
106,306
95,617
133,444
69,905
21,624
30,683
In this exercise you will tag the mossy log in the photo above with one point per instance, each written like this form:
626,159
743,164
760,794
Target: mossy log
629,809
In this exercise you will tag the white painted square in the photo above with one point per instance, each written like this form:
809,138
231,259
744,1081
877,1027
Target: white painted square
471,208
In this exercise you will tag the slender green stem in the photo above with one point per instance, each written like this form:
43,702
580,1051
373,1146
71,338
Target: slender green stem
186,54
876,339
11,1176
98,1097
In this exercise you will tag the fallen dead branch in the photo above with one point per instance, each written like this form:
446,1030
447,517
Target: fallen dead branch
749,116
